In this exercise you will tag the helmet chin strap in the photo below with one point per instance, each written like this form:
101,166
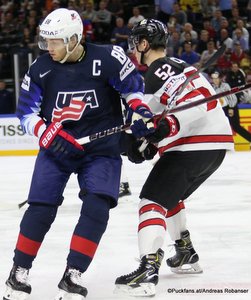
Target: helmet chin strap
142,53
68,52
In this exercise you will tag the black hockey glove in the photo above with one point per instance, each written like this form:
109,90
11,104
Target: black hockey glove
166,127
133,153
60,143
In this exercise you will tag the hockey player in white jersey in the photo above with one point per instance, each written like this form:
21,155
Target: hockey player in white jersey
192,145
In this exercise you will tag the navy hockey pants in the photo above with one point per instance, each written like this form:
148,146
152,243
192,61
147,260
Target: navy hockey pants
98,179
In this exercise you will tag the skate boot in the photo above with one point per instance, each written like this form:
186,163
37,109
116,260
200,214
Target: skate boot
71,286
17,287
141,282
124,189
185,261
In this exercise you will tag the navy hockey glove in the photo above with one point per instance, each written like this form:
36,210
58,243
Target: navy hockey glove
164,127
59,142
141,121
133,153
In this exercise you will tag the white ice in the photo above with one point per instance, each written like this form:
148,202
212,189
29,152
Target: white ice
219,219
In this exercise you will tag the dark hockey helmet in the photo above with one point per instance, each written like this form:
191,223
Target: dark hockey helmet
154,31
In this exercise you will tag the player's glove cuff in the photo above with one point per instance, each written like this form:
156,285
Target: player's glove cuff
167,127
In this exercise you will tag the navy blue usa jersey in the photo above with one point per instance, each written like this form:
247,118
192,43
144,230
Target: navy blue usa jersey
84,96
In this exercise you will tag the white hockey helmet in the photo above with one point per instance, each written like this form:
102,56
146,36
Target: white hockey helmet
62,24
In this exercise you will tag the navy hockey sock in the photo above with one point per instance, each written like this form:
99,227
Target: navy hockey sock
89,230
35,224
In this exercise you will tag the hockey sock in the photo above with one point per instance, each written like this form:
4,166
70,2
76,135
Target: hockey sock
88,231
176,221
35,224
150,236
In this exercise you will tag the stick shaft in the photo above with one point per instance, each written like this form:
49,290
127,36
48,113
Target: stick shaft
121,128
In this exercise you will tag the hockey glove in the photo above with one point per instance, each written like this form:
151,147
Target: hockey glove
141,122
133,153
164,127
59,142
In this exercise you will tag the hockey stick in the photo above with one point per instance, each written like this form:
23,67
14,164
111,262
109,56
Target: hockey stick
20,205
121,128
207,64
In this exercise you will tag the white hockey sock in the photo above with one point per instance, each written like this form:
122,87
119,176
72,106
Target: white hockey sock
152,227
176,221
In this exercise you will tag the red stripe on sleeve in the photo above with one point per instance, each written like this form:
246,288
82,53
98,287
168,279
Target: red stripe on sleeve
135,103
83,245
27,245
151,222
38,125
175,210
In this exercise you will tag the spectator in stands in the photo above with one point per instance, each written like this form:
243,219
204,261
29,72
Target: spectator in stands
216,20
179,14
235,17
236,77
224,39
72,5
173,25
8,26
192,9
208,8
238,37
224,62
224,25
164,9
188,27
189,55
249,12
7,102
226,8
237,53
173,45
202,42
89,13
136,17
208,26
245,33
245,63
120,34
188,39
102,23
116,9
206,54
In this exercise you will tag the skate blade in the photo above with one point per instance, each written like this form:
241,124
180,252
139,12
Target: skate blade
11,294
62,295
143,290
188,269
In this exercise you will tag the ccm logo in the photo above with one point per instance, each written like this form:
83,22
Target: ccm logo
50,134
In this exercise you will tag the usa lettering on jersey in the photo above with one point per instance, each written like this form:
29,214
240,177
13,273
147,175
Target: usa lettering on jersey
71,105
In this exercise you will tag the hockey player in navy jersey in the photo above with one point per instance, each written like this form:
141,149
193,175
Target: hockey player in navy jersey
193,149
72,91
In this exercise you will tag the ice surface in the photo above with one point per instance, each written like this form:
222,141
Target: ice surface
219,219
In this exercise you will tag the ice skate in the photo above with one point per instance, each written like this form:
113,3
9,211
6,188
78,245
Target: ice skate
185,261
17,286
141,282
71,286
124,189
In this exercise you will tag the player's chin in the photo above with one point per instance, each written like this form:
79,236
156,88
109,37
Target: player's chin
54,57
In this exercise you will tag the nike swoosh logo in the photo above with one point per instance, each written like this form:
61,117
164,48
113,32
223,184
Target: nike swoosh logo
41,75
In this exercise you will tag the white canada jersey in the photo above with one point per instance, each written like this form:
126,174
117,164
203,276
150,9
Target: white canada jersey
204,127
